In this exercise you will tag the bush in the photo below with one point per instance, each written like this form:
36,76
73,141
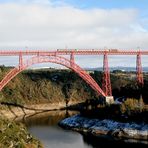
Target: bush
16,135
132,105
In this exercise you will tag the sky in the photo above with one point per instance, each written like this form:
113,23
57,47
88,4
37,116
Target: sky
78,24
74,23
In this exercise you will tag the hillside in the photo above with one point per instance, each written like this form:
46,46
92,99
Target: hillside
42,86
50,85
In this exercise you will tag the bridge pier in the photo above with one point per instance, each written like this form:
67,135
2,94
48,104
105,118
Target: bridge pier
106,100
106,84
20,60
72,60
139,70
109,99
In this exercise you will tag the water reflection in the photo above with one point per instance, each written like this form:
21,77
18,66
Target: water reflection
49,118
101,142
54,137
44,127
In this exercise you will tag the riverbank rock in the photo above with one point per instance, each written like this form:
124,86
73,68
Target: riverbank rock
107,127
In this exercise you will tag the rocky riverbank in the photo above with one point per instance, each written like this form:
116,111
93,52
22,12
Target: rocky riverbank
18,111
15,134
108,128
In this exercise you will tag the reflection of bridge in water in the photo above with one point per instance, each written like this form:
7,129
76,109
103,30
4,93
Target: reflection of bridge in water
56,56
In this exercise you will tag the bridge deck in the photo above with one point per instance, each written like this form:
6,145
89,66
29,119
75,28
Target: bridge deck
75,51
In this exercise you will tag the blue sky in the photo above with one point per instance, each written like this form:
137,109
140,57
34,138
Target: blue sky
141,4
107,4
85,4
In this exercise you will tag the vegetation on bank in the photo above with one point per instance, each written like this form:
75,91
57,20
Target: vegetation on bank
56,86
53,86
16,135
131,110
45,86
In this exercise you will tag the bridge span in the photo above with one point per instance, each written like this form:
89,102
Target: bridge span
74,51
56,56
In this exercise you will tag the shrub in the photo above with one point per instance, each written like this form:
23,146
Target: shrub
132,105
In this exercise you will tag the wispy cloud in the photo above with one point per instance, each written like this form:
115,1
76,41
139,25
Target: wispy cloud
44,23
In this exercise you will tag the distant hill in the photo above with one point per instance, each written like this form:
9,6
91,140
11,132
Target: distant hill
145,69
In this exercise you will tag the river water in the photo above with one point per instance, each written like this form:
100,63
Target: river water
44,126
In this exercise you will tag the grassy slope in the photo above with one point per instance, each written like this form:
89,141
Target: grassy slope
16,135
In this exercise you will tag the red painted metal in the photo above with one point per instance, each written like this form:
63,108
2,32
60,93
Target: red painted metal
106,84
59,52
53,59
20,60
72,60
74,51
139,70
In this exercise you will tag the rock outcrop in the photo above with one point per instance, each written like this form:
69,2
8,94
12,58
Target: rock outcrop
110,128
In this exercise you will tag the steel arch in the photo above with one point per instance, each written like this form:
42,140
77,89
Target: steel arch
52,59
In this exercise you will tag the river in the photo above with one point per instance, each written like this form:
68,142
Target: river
44,126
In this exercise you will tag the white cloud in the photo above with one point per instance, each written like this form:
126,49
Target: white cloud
42,24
